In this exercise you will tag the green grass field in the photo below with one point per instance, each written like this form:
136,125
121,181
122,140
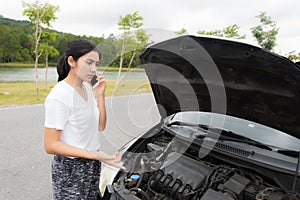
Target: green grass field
24,93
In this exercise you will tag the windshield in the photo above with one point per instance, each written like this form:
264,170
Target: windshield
252,130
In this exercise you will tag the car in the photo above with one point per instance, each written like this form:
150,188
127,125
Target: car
229,128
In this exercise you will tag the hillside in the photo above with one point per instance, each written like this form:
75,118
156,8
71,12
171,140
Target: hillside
17,41
17,44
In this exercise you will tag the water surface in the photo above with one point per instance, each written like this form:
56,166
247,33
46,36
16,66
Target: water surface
10,74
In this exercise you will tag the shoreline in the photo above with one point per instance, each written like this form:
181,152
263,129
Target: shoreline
53,65
24,93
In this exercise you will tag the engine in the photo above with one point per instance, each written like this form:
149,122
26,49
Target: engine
175,174
171,179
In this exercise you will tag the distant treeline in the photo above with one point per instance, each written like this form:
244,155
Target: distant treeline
17,45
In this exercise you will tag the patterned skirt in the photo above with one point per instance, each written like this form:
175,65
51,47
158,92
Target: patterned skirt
75,178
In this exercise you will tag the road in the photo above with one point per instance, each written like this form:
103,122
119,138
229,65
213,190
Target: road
25,168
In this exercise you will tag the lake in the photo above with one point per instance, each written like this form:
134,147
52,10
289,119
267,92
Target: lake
10,74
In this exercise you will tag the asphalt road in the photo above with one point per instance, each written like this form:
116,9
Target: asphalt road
24,165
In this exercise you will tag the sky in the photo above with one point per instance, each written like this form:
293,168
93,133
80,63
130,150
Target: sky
100,17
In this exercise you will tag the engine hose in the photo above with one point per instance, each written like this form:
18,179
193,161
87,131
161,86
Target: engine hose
140,191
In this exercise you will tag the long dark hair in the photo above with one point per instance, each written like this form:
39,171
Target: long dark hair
76,49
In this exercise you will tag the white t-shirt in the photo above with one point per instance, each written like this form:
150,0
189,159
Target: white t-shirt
78,119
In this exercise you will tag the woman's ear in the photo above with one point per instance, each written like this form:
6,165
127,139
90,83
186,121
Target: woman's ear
71,61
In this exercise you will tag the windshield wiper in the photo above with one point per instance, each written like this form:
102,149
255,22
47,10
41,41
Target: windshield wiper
221,134
291,153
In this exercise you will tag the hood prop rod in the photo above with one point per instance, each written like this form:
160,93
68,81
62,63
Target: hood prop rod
296,173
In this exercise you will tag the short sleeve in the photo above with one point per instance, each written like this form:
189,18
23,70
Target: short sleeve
56,114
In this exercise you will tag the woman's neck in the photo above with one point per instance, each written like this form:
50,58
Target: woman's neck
74,81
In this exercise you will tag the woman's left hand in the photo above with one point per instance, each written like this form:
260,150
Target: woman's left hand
113,160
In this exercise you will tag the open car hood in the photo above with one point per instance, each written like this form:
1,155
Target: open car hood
190,73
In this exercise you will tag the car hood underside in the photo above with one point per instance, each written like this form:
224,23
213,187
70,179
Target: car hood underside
190,73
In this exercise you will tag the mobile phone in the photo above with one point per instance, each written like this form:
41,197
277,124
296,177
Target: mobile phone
94,81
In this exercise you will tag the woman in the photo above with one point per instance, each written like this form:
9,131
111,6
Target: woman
73,119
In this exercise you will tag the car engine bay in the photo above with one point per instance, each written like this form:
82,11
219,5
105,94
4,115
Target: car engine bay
166,167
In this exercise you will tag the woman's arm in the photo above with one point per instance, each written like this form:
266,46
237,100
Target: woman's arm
100,96
102,111
53,145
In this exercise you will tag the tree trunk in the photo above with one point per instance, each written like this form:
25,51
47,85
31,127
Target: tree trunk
121,62
36,60
128,68
36,77
46,72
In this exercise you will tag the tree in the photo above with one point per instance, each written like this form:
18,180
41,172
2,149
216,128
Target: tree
266,32
181,32
127,23
232,32
108,50
141,40
228,32
47,49
294,56
40,15
10,46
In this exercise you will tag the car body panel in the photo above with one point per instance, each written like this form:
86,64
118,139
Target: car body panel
259,86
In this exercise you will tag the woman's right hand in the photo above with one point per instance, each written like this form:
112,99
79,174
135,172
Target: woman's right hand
113,160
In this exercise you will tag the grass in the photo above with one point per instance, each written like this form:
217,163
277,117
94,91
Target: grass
24,93
21,65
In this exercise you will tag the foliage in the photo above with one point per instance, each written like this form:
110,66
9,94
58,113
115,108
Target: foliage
265,33
294,56
16,48
39,14
127,23
17,41
181,32
130,21
232,32
108,51
46,46
140,40
228,32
